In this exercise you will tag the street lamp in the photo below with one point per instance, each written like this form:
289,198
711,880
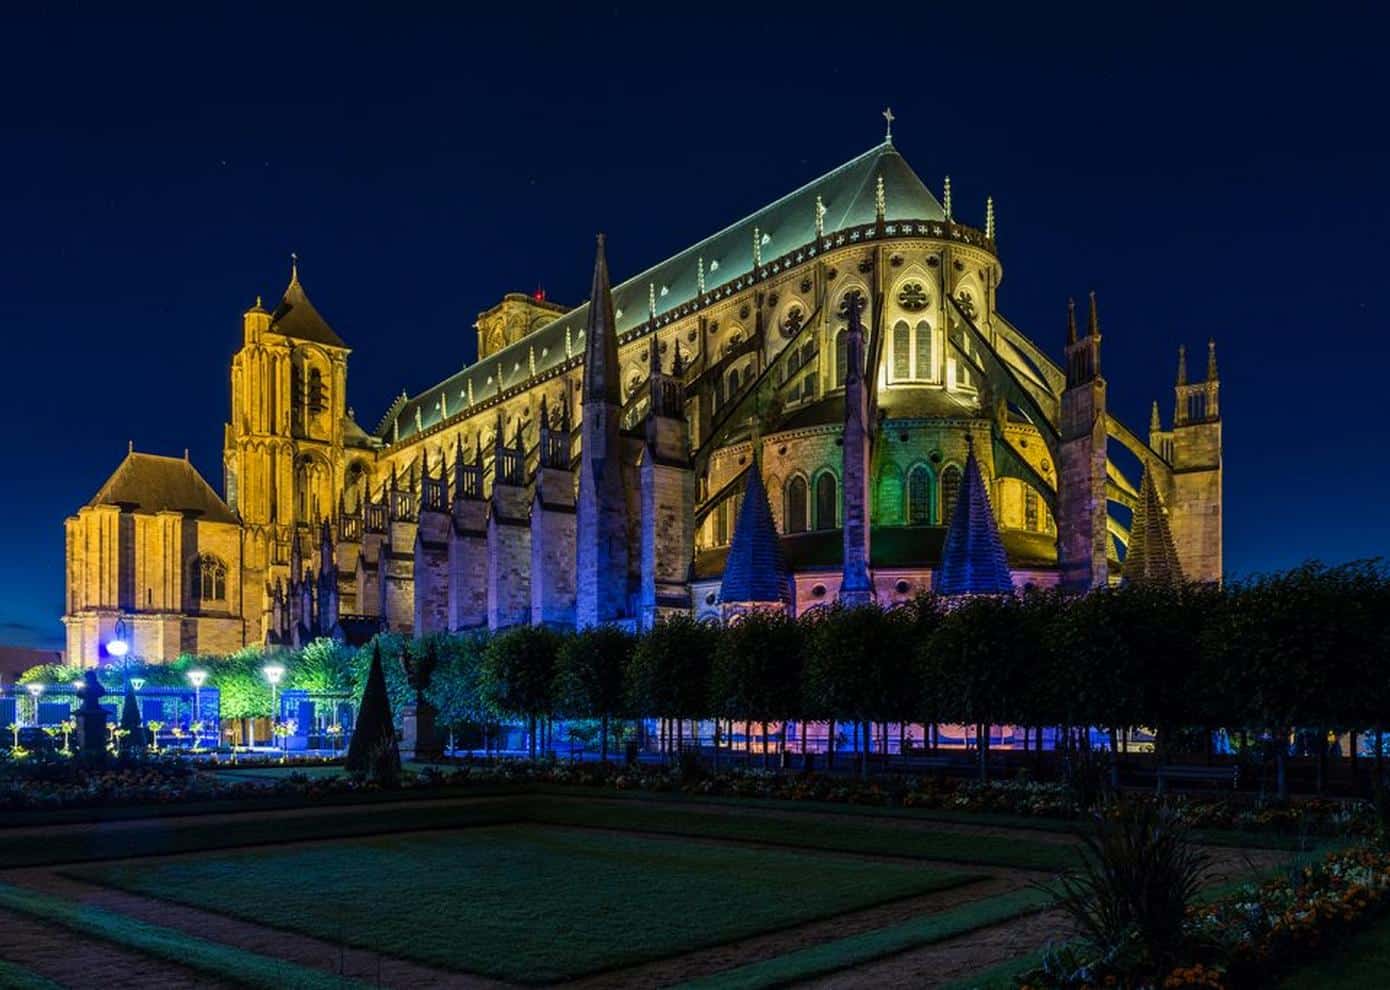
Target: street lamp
118,646
34,691
197,678
273,673
137,683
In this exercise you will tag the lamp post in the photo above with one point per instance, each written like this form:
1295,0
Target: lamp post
197,678
34,691
118,646
273,673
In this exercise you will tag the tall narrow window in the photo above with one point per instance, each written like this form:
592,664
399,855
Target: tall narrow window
926,366
902,352
1030,510
733,384
794,518
826,498
919,496
316,392
950,489
841,358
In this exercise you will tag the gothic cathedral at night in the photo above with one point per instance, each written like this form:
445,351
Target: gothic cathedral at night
818,403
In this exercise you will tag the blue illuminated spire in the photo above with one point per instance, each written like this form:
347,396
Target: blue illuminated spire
756,570
973,560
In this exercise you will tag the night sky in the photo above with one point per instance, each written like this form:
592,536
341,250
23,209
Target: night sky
1207,175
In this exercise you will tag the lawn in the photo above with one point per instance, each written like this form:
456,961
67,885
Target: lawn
528,903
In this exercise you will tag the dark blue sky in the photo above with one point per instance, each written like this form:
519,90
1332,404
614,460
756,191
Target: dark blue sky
1208,174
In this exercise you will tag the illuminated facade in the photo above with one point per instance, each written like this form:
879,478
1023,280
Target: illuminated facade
591,465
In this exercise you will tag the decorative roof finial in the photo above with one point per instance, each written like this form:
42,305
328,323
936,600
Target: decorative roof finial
651,302
1211,361
294,268
700,276
757,247
1071,321
888,116
569,343
1093,328
1155,421
947,198
677,365
531,361
880,199
820,217
1182,364
989,217
470,391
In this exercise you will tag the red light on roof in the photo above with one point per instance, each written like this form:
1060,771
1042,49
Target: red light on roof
539,294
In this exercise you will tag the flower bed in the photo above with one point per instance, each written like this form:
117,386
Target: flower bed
1247,938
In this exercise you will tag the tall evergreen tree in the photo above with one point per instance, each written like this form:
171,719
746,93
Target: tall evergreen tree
373,752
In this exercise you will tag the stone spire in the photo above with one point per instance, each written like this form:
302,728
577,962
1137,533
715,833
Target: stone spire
989,217
1152,557
946,198
973,561
1071,321
601,338
1155,421
1212,374
1182,364
755,572
601,513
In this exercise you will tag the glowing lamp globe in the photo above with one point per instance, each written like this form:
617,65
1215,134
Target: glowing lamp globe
34,690
197,678
137,683
273,672
117,648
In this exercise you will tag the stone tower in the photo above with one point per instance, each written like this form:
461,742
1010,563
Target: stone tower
668,495
283,445
1194,504
1081,502
856,587
601,525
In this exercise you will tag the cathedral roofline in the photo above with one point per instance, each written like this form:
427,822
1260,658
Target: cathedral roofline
151,483
848,194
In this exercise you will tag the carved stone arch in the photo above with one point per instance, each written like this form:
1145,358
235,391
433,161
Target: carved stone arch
919,494
918,275
888,495
792,315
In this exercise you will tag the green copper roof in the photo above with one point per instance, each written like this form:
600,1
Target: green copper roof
848,194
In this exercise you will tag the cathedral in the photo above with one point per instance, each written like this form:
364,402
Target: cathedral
818,403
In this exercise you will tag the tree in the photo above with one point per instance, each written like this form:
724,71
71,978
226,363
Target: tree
590,672
323,666
455,690
844,649
756,674
373,752
130,721
518,672
670,671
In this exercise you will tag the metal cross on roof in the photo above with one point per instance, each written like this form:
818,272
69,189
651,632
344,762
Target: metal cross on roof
888,116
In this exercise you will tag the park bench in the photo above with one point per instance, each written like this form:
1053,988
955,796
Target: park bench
1200,774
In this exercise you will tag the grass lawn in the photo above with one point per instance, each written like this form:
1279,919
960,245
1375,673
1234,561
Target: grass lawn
526,903
798,830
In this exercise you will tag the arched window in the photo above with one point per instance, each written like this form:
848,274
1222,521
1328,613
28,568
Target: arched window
733,384
950,488
841,358
926,366
826,499
794,518
210,581
902,352
888,505
919,496
721,523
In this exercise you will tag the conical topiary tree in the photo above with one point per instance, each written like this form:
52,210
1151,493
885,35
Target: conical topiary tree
134,737
373,752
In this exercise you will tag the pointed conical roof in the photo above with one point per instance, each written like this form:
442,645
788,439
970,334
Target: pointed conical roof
755,570
1152,557
296,317
973,560
601,337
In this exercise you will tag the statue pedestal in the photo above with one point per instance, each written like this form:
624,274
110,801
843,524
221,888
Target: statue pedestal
91,735
419,741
